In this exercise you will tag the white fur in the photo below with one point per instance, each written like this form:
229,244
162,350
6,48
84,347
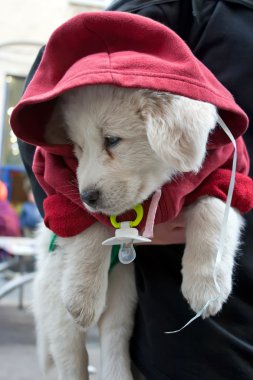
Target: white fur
161,135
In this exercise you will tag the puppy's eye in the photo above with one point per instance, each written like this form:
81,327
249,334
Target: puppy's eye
111,141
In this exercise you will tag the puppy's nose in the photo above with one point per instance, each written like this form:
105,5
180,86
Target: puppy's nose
90,197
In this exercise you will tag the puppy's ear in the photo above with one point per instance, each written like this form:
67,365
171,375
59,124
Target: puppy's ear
178,128
56,129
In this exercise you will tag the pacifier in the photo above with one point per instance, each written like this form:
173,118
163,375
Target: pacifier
126,236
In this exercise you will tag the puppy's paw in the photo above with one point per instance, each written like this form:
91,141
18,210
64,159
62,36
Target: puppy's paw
198,290
85,310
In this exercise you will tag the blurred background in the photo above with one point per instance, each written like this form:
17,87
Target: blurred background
25,26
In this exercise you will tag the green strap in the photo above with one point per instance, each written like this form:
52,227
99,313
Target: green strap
114,252
52,244
114,256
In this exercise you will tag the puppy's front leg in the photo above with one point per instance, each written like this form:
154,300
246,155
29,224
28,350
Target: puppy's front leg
203,228
116,324
85,276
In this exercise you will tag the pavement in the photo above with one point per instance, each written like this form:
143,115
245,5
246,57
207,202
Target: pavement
18,359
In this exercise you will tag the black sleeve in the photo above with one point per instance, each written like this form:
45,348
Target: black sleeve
34,66
176,14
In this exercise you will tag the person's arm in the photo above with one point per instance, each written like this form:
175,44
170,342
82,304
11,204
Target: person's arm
177,14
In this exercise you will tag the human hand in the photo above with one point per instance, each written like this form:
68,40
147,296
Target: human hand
172,232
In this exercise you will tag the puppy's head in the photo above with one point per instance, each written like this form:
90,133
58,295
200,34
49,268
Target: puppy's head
129,142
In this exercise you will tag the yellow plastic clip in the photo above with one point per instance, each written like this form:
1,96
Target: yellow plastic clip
139,215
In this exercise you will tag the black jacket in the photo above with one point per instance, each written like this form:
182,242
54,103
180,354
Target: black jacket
220,34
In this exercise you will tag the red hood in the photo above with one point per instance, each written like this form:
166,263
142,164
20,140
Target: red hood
128,51
124,50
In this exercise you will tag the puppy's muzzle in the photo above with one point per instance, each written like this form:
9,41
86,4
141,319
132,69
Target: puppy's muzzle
90,197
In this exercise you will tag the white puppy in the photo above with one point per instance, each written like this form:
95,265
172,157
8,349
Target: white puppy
128,143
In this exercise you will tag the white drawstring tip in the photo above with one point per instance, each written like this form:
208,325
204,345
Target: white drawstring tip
199,314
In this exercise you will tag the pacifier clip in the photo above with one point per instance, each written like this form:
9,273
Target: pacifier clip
126,235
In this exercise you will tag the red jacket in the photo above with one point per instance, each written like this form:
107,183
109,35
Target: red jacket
128,51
